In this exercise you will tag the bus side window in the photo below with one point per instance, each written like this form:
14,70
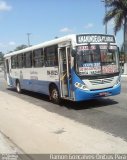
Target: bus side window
7,65
28,59
20,61
38,58
51,56
45,57
56,56
13,62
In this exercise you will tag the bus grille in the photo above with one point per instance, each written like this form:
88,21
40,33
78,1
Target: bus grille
101,81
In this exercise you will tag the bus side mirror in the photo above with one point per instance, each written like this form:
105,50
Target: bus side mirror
73,53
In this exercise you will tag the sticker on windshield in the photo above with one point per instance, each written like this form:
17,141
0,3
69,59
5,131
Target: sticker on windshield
109,69
91,64
85,48
90,70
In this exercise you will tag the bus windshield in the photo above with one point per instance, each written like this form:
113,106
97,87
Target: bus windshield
96,59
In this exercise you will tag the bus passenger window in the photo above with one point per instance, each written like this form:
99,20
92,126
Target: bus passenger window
13,62
28,60
38,58
20,61
51,56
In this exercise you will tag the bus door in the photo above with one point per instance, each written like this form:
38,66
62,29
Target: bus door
65,71
7,72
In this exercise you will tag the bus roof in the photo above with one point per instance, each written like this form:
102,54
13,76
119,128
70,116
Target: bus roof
79,39
44,44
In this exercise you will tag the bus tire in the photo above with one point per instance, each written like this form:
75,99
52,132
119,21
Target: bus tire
54,95
18,87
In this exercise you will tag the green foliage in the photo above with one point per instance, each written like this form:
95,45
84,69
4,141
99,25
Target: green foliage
20,47
1,58
118,12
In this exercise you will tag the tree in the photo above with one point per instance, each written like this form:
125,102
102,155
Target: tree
118,12
1,58
20,47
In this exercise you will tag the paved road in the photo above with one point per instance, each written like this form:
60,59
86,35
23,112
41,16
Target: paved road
106,114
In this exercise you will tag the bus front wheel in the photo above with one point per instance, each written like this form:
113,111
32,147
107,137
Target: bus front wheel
18,87
54,95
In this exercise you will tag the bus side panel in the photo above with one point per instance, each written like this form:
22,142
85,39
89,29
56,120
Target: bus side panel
34,85
35,79
43,77
42,86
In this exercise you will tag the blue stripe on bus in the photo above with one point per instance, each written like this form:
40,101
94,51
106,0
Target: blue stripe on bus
35,85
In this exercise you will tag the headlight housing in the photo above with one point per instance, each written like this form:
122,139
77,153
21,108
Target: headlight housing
81,86
118,81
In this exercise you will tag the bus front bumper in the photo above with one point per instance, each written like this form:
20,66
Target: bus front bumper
82,95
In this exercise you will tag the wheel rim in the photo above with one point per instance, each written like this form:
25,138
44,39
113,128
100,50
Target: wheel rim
55,95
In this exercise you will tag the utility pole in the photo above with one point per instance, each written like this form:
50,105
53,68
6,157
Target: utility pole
106,27
28,38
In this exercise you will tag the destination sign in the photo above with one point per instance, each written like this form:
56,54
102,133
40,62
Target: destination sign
95,38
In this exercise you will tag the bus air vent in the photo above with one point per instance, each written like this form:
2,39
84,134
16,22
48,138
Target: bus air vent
101,81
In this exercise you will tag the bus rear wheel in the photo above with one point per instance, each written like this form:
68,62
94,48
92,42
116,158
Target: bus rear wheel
54,95
18,87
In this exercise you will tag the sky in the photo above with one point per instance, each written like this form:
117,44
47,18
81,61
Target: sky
47,19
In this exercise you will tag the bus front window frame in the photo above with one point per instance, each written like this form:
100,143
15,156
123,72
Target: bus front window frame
99,68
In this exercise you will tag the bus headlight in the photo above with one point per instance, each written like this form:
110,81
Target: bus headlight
81,86
118,80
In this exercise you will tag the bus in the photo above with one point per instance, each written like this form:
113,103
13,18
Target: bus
74,67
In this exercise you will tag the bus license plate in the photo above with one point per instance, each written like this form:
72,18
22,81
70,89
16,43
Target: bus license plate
104,94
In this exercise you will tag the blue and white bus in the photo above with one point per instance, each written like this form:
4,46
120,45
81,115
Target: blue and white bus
73,67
